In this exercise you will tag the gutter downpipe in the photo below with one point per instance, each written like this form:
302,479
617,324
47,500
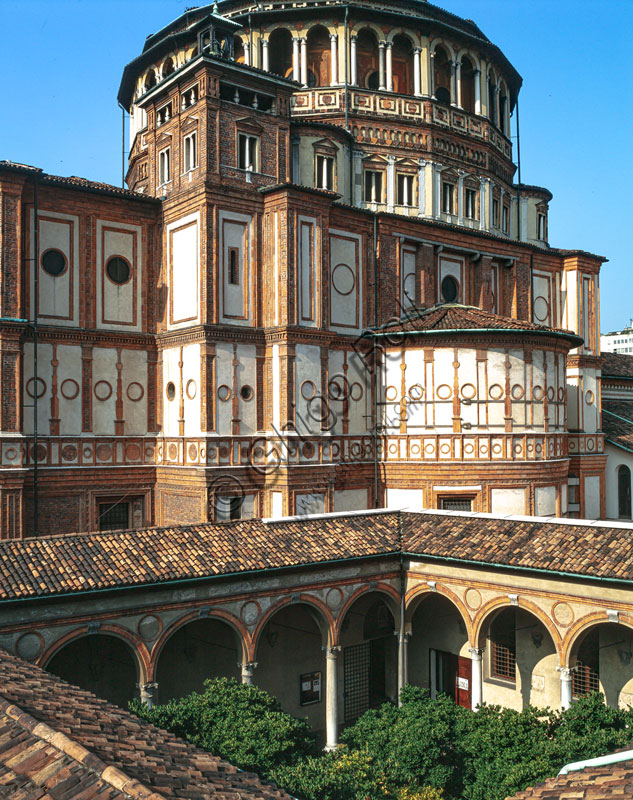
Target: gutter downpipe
601,761
36,311
402,636
519,220
375,365
351,146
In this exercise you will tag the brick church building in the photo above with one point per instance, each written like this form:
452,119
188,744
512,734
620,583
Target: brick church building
324,289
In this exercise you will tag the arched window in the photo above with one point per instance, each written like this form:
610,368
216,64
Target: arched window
238,50
442,75
402,65
280,52
150,79
492,98
168,67
319,55
367,59
468,77
624,492
503,109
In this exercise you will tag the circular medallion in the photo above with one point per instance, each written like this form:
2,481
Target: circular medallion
10,454
149,627
517,392
69,452
468,391
495,391
343,279
563,613
444,391
41,387
473,598
192,452
224,393
391,393
104,452
416,392
589,397
334,599
135,391
132,452
308,390
307,451
172,452
191,389
356,391
69,389
102,390
250,612
29,646
537,393
541,309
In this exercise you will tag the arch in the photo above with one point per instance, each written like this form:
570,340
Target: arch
107,662
168,67
150,79
418,594
582,625
492,96
367,64
469,74
318,56
238,50
624,492
381,588
327,625
503,110
442,74
402,64
481,620
280,52
223,616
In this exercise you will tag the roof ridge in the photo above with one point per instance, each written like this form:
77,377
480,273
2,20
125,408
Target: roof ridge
131,787
617,416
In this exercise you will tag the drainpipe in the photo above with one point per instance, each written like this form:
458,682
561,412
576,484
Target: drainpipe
601,761
402,636
375,364
36,310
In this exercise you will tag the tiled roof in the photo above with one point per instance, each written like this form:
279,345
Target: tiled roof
455,317
54,565
591,783
59,741
83,562
617,365
617,422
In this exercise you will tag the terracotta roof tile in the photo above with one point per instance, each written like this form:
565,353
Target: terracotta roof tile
59,738
617,365
617,422
56,565
456,317
591,783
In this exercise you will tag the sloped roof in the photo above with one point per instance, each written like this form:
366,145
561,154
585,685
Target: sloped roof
617,365
56,565
453,317
617,422
591,783
59,741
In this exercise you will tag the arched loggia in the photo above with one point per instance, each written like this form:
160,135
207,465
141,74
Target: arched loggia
199,649
601,658
101,663
367,63
318,56
280,52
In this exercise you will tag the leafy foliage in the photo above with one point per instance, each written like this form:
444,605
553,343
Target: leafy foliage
424,750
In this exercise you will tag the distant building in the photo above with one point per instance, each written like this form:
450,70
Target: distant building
618,341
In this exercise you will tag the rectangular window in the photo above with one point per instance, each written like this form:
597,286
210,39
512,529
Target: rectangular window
234,266
495,213
506,219
228,507
456,503
405,190
247,152
190,156
373,186
540,226
471,204
504,660
448,195
114,516
324,169
164,166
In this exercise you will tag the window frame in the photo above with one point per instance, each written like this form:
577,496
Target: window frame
189,164
505,219
233,266
470,193
406,178
380,174
448,193
321,159
251,151
164,155
495,212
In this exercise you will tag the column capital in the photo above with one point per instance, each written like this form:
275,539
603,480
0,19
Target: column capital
353,37
333,651
391,159
566,672
247,666
264,42
302,39
333,37
382,44
417,50
388,45
476,653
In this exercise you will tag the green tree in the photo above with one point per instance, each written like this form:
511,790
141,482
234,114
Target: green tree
240,723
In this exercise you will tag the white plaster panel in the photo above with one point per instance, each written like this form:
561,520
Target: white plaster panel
507,501
545,501
119,306
350,500
346,277
616,458
405,499
224,387
69,389
104,383
44,378
58,296
358,394
308,389
407,287
191,388
247,378
134,386
592,497
307,256
183,259
542,298
335,390
309,504
171,374
277,499
235,299
276,388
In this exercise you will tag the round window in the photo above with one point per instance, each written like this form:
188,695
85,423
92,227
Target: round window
170,391
450,289
118,270
246,393
54,262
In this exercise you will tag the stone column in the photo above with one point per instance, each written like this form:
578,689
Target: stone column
460,197
358,178
333,60
391,182
353,64
453,83
565,686
482,203
247,53
476,689
147,692
248,668
331,698
477,79
402,662
296,167
389,81
304,60
421,187
265,63
426,72
296,65
437,191
458,83
381,65
417,91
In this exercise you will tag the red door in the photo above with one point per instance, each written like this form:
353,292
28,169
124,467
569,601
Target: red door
463,681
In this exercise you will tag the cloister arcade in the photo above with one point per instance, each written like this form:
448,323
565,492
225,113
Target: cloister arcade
333,651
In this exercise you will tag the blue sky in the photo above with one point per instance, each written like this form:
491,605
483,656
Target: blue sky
61,63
